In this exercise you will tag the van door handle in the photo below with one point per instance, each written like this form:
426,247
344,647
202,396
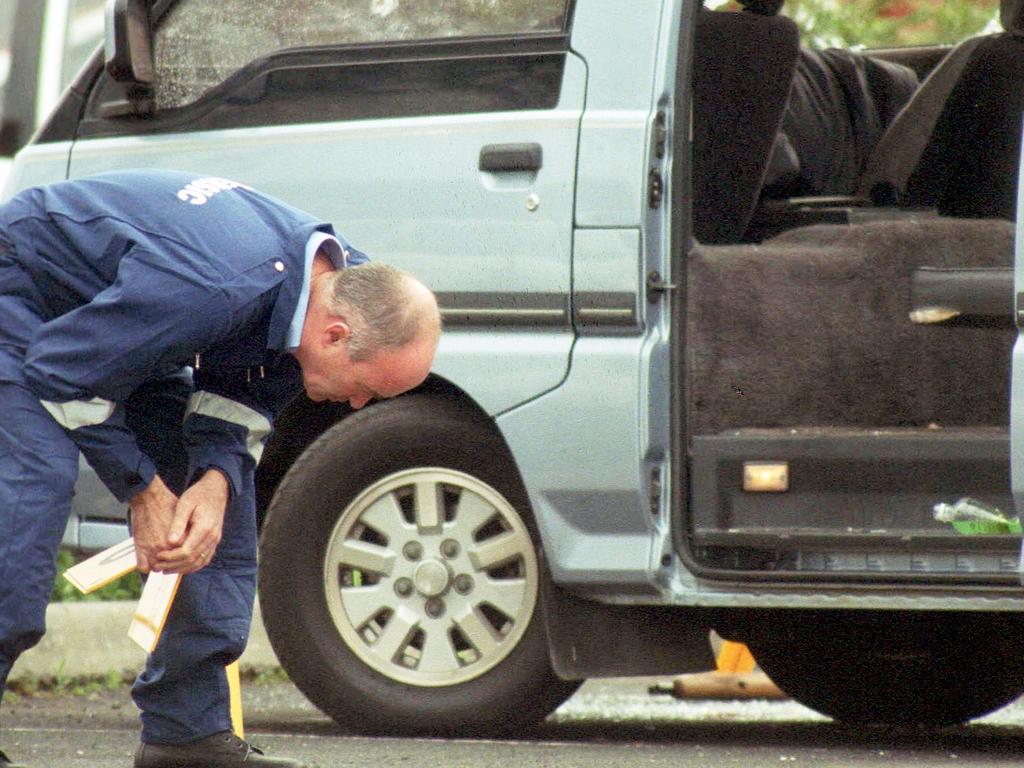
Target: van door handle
510,157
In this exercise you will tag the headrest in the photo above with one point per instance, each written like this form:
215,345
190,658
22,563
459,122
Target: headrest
762,7
1011,15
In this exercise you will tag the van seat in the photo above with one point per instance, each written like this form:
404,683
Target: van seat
742,71
956,145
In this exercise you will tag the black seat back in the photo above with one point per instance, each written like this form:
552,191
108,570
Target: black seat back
956,145
969,167
742,71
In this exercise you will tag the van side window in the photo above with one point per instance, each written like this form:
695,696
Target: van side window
199,43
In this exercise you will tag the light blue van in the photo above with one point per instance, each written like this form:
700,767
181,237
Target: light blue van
668,399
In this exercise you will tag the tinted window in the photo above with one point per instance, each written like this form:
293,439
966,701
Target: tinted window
199,43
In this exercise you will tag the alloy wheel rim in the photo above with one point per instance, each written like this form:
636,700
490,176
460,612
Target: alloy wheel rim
430,577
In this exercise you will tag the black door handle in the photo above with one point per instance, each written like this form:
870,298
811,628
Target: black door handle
511,157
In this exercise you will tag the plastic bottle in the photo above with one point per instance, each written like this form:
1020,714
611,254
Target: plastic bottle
969,509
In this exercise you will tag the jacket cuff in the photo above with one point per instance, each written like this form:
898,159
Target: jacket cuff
125,484
229,465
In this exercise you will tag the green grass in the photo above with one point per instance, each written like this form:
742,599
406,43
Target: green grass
265,676
126,588
64,685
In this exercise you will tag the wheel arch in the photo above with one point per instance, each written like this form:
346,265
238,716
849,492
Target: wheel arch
304,420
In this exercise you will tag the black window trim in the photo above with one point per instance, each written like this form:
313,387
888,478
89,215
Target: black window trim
435,49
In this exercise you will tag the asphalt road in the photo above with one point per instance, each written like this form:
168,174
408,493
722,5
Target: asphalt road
608,723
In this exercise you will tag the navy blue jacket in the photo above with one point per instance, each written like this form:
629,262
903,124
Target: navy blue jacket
140,273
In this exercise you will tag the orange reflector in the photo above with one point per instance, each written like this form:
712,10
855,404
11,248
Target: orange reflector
765,476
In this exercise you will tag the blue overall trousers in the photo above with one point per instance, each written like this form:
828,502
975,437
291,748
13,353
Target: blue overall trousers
183,693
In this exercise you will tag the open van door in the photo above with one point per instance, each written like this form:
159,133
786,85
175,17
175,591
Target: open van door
1017,375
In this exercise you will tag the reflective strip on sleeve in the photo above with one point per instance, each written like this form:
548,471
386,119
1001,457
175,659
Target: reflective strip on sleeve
219,407
80,413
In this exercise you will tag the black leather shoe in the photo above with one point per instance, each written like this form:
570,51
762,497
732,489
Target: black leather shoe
5,762
222,750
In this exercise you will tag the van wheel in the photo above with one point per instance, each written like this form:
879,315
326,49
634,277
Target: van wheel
896,668
399,576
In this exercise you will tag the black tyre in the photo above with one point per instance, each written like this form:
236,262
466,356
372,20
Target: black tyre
896,668
399,577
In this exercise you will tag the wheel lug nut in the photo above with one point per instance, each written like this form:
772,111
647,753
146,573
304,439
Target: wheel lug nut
413,550
403,587
450,548
434,607
463,584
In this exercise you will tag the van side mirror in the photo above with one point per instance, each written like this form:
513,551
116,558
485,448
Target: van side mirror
128,48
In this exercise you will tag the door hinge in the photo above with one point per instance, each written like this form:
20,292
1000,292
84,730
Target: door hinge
655,189
654,491
656,286
660,134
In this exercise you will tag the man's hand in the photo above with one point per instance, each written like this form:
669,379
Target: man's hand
195,530
152,514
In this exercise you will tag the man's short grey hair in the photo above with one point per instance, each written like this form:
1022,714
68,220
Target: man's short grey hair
376,301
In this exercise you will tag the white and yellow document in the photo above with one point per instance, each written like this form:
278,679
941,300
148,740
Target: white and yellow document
157,596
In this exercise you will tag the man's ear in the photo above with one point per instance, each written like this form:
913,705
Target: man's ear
336,332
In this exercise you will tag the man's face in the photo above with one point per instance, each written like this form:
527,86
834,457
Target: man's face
333,375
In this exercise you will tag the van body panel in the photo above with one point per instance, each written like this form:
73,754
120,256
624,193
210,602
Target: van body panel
607,285
581,455
38,164
611,172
